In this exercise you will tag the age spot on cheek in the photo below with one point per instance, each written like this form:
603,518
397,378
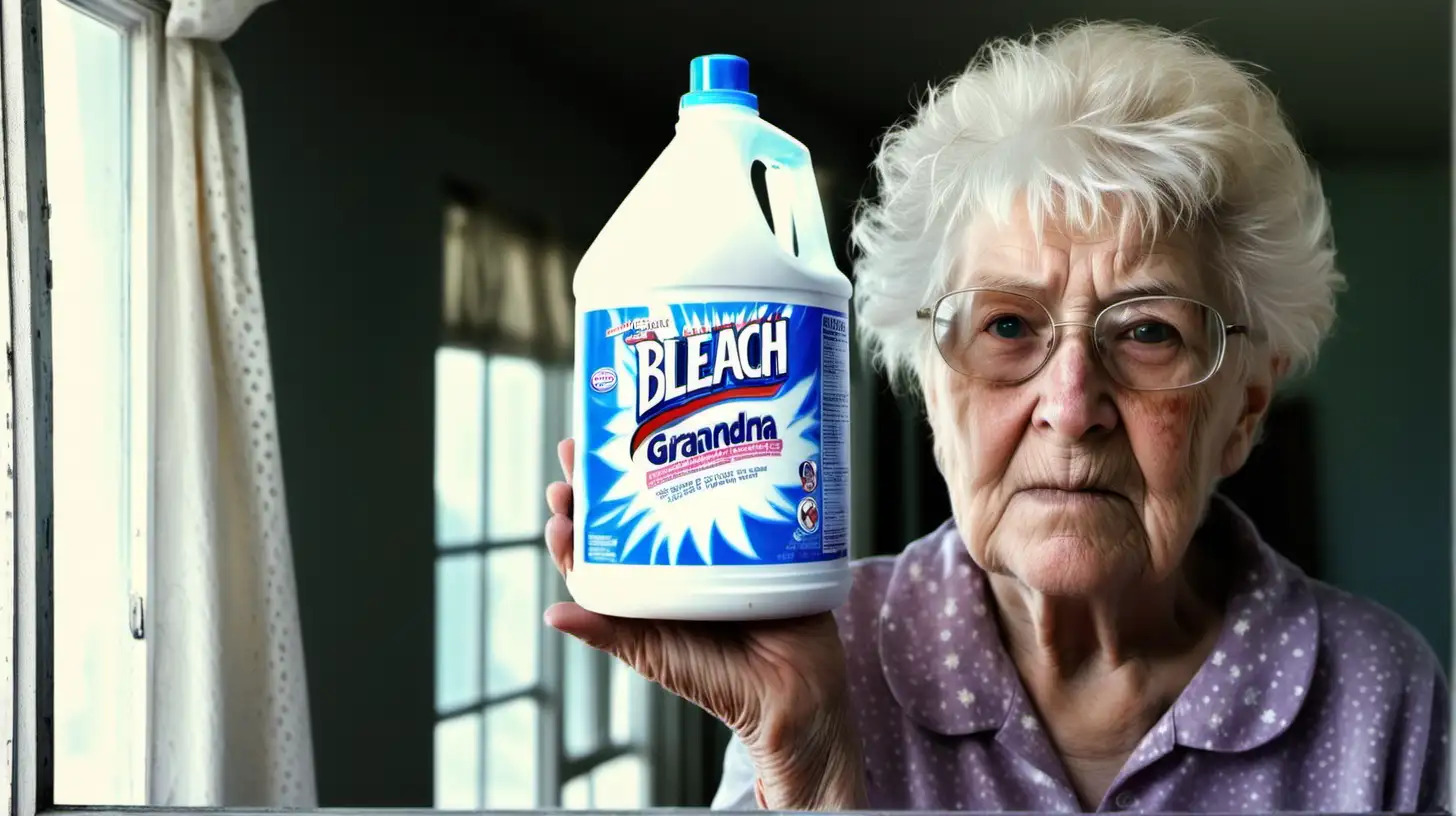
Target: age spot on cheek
1169,415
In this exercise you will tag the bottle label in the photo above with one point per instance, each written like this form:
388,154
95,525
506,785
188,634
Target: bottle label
715,434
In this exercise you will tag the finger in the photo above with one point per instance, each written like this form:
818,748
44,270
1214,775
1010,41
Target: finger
681,659
558,498
559,543
566,452
596,631
641,644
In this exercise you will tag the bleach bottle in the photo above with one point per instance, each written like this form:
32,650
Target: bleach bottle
712,380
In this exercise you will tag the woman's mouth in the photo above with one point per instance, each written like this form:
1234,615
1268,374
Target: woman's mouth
1060,495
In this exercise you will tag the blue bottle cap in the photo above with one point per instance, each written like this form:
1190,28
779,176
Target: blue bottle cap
719,79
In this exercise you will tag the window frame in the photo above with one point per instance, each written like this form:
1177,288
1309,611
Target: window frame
26,253
141,24
27,566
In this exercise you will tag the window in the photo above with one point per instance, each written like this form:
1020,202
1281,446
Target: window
99,69
525,717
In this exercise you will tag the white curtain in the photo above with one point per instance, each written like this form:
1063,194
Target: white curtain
230,718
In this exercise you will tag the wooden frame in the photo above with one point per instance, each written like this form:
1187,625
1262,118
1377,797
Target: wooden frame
27,264
140,23
26,715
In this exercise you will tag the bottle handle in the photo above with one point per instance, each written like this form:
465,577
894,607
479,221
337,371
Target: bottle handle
793,194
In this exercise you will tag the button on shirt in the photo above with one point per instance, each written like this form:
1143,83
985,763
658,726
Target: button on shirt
1312,700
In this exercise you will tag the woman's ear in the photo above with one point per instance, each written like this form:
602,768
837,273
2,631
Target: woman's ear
1258,394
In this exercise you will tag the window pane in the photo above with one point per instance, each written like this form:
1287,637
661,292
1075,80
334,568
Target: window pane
457,630
510,755
98,667
457,763
459,446
620,784
516,448
627,703
579,688
515,619
576,794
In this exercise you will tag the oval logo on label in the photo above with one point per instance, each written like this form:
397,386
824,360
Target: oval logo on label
603,380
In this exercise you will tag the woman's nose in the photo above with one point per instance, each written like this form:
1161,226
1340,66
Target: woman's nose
1075,394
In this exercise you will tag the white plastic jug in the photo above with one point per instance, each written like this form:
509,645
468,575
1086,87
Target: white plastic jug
712,380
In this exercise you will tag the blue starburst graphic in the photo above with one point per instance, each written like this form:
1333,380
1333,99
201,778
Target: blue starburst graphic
739,512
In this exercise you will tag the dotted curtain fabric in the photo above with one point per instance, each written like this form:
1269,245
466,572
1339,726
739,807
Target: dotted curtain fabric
230,718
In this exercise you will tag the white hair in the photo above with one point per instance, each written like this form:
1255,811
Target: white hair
1098,123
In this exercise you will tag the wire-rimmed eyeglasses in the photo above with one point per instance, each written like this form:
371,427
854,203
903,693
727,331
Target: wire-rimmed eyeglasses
1147,343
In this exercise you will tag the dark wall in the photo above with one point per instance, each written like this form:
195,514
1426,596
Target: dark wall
1382,392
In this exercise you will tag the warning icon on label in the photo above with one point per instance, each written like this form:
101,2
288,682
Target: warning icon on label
808,514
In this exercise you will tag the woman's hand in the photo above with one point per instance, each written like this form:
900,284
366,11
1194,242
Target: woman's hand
780,685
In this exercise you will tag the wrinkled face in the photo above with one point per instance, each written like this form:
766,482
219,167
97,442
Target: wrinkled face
1067,481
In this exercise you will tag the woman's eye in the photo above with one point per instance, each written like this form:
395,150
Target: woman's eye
1007,327
1152,333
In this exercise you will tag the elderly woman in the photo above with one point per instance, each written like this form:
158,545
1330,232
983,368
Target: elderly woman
1096,254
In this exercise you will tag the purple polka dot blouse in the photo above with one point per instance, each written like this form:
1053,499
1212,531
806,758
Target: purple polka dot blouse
1312,700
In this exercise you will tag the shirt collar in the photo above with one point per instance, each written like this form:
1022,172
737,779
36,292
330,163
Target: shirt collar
940,644
1256,680
944,662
